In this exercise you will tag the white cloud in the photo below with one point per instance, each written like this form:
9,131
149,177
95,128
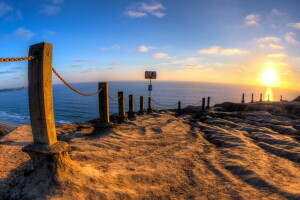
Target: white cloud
193,66
275,46
269,39
278,55
139,10
221,51
160,55
170,63
50,9
289,38
144,48
252,19
294,25
276,12
23,33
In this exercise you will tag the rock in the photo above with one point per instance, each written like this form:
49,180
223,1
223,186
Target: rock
2,131
297,99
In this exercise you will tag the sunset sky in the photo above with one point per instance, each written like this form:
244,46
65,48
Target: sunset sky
230,41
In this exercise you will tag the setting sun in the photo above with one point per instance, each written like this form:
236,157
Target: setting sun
269,77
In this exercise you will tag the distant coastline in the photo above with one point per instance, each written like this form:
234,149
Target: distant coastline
12,89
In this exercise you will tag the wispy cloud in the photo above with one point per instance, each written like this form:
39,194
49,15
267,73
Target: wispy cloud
7,72
278,55
76,66
276,12
289,38
114,47
84,61
9,12
144,48
160,55
170,63
53,8
294,25
138,10
193,66
16,68
115,64
23,34
49,34
221,51
252,19
275,46
269,39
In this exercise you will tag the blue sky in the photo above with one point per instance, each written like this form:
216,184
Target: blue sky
231,41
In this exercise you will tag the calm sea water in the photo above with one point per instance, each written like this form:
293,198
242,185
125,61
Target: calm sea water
72,107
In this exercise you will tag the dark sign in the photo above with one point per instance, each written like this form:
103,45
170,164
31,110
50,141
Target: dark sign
150,74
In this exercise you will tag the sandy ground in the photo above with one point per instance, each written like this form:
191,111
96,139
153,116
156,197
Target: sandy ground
211,155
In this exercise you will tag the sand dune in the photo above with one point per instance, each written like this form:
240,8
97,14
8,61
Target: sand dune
210,155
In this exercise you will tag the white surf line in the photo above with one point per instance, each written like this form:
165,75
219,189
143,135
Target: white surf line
8,127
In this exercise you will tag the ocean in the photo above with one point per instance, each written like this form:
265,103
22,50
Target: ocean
71,107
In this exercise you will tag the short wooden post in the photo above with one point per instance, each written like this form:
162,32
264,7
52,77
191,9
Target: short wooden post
121,104
243,98
131,104
149,110
142,109
260,99
203,103
40,94
179,107
252,98
280,97
268,97
103,104
208,103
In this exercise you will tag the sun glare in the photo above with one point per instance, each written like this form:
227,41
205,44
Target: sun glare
269,77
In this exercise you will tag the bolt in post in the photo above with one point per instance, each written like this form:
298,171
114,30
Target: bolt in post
103,104
243,98
121,104
179,107
141,104
203,103
260,99
131,104
252,98
149,110
208,103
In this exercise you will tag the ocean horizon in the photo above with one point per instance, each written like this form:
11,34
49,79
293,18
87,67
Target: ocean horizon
70,107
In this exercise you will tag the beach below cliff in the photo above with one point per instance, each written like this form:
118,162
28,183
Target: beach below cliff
228,152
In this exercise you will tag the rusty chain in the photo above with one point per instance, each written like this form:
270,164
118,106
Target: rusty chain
16,59
71,87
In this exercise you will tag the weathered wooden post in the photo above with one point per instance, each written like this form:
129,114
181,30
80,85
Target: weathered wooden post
252,98
121,105
268,97
131,106
280,97
104,118
142,109
260,99
49,156
179,108
243,98
149,110
203,103
208,103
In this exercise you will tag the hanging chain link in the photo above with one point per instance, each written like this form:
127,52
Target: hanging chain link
71,87
16,59
164,104
113,98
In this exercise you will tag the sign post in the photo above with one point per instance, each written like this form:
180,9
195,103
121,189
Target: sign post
150,75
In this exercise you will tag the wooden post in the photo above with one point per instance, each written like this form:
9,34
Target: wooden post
203,103
268,97
280,97
121,104
208,103
243,98
141,104
149,110
40,94
131,103
179,107
103,104
260,99
252,98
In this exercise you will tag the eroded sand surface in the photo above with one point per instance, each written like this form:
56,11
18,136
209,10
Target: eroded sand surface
252,155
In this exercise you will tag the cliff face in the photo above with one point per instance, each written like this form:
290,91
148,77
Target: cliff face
297,99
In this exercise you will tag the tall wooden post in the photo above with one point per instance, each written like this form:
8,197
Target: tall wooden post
208,103
203,103
252,98
179,107
243,98
103,103
149,110
260,99
141,111
40,94
131,103
121,104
